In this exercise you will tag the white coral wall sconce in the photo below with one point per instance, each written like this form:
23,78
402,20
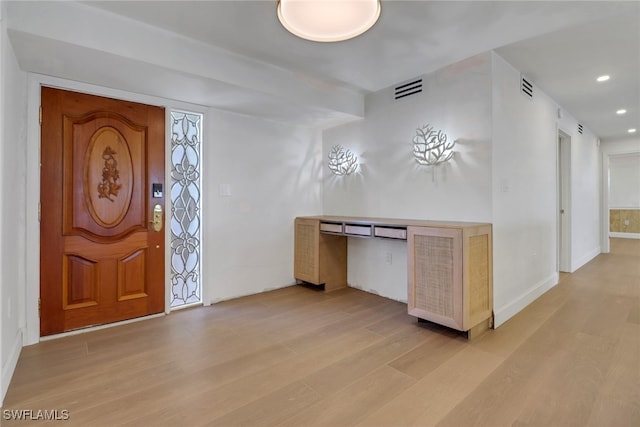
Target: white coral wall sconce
342,162
430,147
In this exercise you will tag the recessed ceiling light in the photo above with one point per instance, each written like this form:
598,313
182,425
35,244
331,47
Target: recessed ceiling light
621,111
633,130
603,78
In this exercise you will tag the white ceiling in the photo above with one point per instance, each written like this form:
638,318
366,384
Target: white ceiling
566,63
561,45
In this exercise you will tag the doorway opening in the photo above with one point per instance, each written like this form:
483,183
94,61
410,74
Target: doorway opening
622,197
564,202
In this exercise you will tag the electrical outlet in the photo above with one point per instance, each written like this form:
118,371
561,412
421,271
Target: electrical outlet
388,258
626,222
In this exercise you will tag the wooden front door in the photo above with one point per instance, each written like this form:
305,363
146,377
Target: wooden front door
102,179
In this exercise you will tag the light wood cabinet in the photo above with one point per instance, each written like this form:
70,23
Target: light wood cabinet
450,275
319,258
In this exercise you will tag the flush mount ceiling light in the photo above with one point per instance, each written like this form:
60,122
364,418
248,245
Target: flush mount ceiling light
603,78
621,111
632,130
328,20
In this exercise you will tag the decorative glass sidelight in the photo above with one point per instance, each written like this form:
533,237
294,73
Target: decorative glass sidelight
186,134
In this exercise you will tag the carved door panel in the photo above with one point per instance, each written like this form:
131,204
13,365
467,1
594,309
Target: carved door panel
101,259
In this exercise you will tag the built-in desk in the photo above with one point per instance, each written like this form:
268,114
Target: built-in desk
449,268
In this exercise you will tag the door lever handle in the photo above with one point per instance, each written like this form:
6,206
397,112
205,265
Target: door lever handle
157,218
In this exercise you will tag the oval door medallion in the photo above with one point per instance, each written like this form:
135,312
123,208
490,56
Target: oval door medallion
108,177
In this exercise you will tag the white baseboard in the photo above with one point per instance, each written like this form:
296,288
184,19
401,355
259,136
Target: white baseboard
246,294
585,259
375,292
625,235
9,367
506,312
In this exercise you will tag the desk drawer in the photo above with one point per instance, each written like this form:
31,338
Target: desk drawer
358,230
330,227
390,232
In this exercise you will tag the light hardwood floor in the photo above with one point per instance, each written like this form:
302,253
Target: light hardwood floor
296,357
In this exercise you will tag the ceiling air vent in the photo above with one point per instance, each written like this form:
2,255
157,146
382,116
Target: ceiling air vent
580,129
410,88
526,86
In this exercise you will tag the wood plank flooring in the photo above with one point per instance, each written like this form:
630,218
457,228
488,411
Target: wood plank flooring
297,357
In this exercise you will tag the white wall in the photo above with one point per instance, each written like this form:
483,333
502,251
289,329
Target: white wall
504,172
390,183
524,193
585,195
525,235
624,182
620,146
13,100
274,173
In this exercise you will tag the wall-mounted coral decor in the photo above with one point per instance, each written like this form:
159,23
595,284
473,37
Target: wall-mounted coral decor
342,162
430,147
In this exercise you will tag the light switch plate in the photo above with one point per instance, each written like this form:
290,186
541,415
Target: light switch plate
224,190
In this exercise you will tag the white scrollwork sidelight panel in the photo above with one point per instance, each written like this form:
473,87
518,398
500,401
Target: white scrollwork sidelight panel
186,134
